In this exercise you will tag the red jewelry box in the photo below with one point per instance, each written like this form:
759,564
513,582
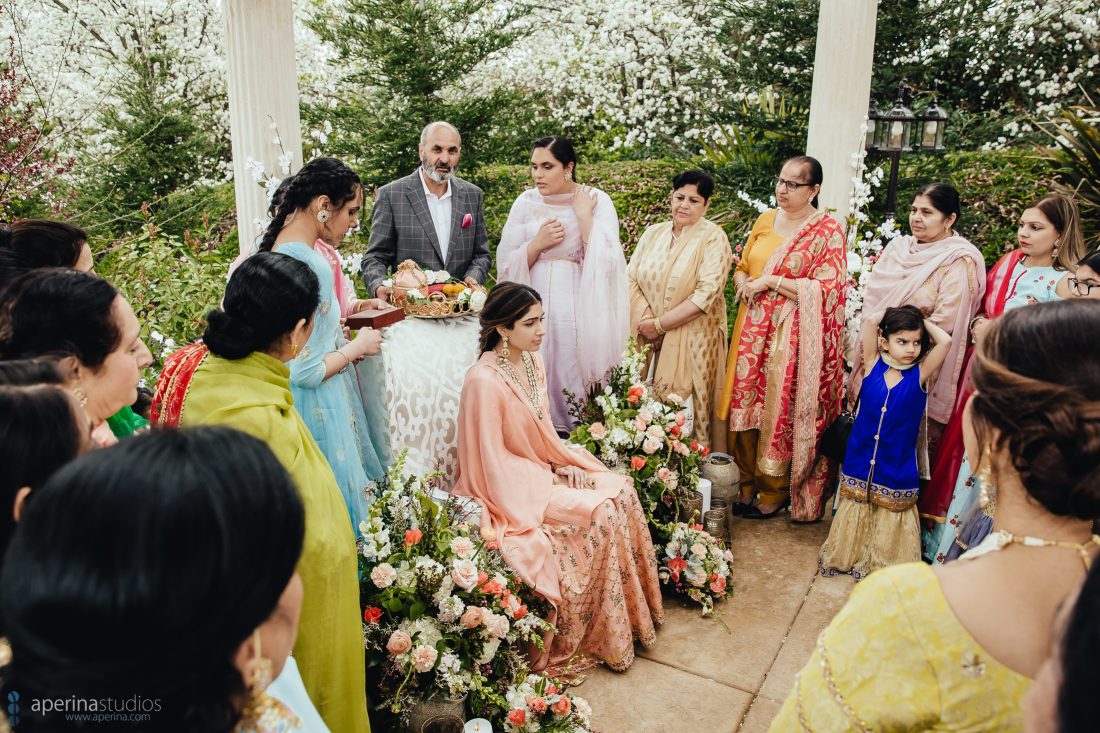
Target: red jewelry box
375,318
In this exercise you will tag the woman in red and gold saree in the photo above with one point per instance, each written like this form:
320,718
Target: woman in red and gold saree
785,375
570,528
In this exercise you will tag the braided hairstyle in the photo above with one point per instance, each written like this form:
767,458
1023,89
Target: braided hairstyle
1036,377
319,177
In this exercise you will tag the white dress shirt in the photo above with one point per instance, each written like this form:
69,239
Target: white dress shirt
440,209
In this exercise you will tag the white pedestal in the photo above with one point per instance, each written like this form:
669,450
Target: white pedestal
704,489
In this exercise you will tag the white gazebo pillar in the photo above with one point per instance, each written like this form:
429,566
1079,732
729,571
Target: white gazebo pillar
263,91
842,86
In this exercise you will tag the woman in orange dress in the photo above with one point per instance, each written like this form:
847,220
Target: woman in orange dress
572,529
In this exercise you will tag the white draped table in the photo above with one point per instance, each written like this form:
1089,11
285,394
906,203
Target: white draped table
425,362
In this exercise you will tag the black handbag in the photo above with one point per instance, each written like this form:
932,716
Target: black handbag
834,439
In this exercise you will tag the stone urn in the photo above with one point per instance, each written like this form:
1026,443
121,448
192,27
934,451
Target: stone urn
723,474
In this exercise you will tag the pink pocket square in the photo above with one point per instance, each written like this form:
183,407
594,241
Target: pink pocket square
467,221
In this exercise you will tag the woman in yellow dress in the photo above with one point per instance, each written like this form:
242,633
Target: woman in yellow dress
955,647
243,381
677,299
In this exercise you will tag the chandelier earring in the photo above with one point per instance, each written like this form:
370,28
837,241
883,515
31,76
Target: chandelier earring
293,349
81,396
322,215
1054,252
987,490
261,712
504,353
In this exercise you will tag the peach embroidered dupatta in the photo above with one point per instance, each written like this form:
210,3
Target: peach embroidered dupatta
785,377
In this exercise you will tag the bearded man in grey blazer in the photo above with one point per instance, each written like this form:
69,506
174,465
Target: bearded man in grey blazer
431,217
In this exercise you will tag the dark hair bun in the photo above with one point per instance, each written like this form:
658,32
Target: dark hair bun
228,337
1045,406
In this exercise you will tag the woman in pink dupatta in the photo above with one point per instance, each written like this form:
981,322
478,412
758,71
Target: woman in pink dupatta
562,239
570,528
785,374
942,274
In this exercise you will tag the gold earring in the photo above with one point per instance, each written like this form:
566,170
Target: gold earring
504,350
322,215
261,712
81,396
987,490
293,349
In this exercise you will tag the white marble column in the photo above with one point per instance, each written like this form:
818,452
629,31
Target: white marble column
263,89
842,84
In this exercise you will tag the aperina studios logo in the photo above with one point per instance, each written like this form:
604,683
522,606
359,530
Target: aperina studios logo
89,709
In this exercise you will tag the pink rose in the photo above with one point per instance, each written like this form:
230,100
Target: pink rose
718,586
537,704
471,619
464,574
681,418
651,446
467,221
463,547
663,473
399,643
424,658
498,626
562,706
517,717
597,430
640,424
645,415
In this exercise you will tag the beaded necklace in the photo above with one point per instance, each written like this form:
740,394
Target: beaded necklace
531,394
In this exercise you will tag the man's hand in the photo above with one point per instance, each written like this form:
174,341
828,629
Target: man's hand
383,293
471,283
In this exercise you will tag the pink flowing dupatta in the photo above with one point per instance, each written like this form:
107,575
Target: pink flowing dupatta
504,462
904,267
345,293
935,499
603,311
789,368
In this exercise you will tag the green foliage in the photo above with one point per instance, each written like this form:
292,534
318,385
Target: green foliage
158,146
409,60
171,281
1077,159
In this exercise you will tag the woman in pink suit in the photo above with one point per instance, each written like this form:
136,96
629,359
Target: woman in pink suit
572,529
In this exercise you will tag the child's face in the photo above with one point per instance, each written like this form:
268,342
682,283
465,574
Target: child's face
902,346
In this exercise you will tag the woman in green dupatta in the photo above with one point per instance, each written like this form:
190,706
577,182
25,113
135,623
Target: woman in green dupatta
243,381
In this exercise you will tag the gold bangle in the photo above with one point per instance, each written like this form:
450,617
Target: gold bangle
657,327
346,358
779,283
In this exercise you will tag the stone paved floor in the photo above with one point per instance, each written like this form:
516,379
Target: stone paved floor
701,678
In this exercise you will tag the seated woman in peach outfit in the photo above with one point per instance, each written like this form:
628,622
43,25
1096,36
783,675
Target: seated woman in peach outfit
572,529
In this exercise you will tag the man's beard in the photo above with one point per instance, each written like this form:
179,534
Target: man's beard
437,176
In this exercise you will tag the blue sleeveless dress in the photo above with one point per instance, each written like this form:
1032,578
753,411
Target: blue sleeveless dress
335,410
881,460
876,523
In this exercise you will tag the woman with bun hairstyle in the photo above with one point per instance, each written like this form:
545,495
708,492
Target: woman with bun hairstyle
112,597
88,327
321,204
239,377
955,647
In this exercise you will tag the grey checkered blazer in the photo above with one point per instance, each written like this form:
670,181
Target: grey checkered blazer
401,229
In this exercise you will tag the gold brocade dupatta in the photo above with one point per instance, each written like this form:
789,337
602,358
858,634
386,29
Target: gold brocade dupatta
785,376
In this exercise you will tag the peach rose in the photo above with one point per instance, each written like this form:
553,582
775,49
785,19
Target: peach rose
562,706
424,658
399,643
517,717
471,619
463,547
597,430
637,463
537,704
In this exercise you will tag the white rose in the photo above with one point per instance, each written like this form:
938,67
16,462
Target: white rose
651,446
699,549
463,547
597,430
383,575
477,301
464,574
656,432
674,398
414,294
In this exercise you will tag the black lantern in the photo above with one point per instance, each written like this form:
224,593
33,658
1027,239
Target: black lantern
899,131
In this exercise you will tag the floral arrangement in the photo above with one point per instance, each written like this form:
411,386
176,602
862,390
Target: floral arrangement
630,429
695,564
443,614
417,286
540,704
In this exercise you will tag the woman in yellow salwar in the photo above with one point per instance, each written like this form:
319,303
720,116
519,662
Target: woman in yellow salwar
677,299
238,377
785,373
955,647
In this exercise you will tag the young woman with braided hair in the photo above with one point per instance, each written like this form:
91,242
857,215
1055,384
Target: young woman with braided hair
322,203
954,647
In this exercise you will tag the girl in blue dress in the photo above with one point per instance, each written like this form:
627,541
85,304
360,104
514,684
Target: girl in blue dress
328,375
876,523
